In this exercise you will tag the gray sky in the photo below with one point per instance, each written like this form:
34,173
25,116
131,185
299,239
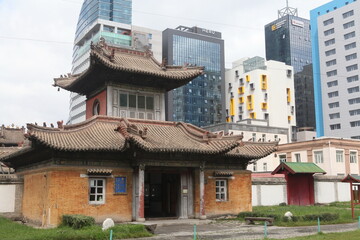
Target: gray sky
36,43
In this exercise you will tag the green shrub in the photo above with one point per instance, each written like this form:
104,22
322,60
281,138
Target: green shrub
293,219
77,221
258,214
283,204
326,217
247,214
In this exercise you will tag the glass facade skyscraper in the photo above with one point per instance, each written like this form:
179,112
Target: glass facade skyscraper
112,10
287,40
198,102
108,19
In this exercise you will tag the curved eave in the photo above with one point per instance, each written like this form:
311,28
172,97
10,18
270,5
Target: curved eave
106,71
7,158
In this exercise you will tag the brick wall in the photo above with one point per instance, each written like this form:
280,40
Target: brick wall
239,194
50,195
101,97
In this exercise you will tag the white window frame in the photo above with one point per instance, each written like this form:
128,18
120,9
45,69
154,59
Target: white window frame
318,156
297,157
221,190
282,158
339,156
99,197
265,167
136,112
353,156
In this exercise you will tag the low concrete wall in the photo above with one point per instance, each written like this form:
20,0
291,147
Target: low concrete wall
11,192
330,189
268,191
272,191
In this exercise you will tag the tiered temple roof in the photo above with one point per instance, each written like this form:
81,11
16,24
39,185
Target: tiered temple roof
124,66
112,134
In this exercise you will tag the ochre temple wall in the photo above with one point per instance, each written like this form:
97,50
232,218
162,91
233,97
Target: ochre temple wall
239,194
61,192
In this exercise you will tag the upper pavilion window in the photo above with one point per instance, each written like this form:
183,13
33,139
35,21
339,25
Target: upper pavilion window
136,105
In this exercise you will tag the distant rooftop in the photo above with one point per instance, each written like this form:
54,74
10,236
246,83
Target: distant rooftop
287,11
11,136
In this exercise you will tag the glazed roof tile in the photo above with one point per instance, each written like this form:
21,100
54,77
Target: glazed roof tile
103,133
131,62
88,136
253,150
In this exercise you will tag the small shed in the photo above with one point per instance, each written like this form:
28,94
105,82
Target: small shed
300,181
354,181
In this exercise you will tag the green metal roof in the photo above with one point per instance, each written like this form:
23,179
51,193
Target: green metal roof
298,167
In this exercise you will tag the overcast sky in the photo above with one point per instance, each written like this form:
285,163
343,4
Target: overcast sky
36,43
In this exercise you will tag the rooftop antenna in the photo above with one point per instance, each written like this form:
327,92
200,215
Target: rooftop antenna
287,11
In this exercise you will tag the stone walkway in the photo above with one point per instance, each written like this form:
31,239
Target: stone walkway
183,230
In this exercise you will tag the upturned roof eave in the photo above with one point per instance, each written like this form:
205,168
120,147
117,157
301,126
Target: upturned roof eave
97,61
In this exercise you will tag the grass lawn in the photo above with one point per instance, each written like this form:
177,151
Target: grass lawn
342,209
353,235
343,205
13,231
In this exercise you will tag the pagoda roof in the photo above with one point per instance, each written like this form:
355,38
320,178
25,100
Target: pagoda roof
351,178
298,167
11,136
125,66
113,134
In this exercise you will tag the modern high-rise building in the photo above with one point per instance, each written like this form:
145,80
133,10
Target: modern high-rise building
287,40
110,20
198,102
261,90
335,46
304,99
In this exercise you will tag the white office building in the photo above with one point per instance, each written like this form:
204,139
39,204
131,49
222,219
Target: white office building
335,30
261,90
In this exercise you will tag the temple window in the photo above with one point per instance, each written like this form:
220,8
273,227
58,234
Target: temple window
97,191
221,189
96,107
135,105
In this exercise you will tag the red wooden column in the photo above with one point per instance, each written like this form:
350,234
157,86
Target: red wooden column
352,201
140,211
202,193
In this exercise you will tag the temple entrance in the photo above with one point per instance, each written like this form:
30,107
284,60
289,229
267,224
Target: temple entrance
162,194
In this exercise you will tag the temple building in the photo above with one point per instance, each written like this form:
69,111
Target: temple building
125,161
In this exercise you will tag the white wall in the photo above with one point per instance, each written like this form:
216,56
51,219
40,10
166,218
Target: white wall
7,199
343,192
324,192
268,194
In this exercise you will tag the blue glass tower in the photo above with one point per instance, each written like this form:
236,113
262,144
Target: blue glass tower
198,102
119,11
108,19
